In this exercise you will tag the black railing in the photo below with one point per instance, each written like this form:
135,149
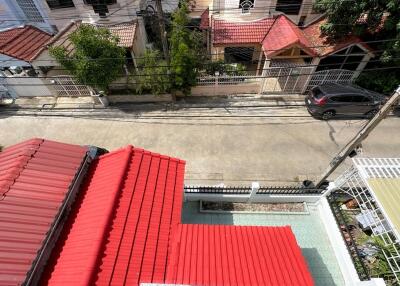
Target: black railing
347,235
247,190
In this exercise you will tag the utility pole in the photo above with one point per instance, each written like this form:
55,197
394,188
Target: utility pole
160,16
360,136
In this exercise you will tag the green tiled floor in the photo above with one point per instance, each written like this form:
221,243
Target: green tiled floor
307,228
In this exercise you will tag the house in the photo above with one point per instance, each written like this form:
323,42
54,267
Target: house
54,15
19,45
79,215
125,225
299,11
288,56
131,38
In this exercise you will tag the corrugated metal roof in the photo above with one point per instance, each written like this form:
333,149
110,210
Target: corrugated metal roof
236,255
35,176
387,192
121,222
23,42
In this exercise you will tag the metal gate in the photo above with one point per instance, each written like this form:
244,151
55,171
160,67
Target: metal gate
66,85
285,79
336,75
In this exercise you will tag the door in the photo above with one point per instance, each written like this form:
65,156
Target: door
362,103
342,104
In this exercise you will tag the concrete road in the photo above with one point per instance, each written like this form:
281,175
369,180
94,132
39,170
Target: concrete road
233,144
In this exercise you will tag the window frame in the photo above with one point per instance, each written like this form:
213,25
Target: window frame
55,7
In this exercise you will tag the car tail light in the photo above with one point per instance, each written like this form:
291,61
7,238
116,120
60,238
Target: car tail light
320,101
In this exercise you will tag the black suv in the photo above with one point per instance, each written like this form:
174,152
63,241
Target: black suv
330,99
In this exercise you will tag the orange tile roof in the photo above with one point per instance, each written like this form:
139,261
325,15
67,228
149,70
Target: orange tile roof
23,42
283,34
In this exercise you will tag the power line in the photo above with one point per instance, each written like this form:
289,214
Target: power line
212,54
247,70
125,84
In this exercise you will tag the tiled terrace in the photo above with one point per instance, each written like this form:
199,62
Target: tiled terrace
307,227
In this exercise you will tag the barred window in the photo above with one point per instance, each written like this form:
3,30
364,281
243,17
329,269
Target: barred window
56,4
30,10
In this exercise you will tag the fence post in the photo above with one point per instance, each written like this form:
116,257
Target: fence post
255,186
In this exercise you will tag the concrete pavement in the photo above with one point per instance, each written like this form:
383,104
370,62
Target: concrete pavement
232,145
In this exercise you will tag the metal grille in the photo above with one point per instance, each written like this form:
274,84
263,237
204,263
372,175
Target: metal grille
69,86
286,79
335,75
30,10
227,80
247,190
353,183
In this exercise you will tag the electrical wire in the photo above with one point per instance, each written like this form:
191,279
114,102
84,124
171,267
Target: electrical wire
212,54
167,75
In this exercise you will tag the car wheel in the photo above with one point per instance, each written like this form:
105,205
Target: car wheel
328,115
371,113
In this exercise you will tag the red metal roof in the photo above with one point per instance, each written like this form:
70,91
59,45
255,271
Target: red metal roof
325,46
122,221
284,34
35,176
23,42
240,32
236,255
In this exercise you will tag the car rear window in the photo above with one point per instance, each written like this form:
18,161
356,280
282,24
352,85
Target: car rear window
317,93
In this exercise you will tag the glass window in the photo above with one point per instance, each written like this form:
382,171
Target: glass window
289,7
56,4
246,5
342,98
92,2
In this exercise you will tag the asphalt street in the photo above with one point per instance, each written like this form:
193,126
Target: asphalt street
233,143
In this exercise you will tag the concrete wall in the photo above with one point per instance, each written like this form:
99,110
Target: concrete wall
243,198
28,87
229,10
212,90
124,10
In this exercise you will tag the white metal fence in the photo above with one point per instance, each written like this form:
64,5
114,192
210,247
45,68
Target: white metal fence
227,80
297,79
336,75
68,86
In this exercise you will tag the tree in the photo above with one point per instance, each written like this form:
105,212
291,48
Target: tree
97,60
380,18
153,74
373,20
184,62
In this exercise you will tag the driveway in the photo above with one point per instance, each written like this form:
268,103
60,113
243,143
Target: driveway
231,145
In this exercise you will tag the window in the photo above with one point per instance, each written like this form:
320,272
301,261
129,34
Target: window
93,2
290,7
246,5
360,98
348,59
57,4
30,10
342,98
302,20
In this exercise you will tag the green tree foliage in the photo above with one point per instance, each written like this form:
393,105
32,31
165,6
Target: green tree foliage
97,59
153,74
183,51
373,20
